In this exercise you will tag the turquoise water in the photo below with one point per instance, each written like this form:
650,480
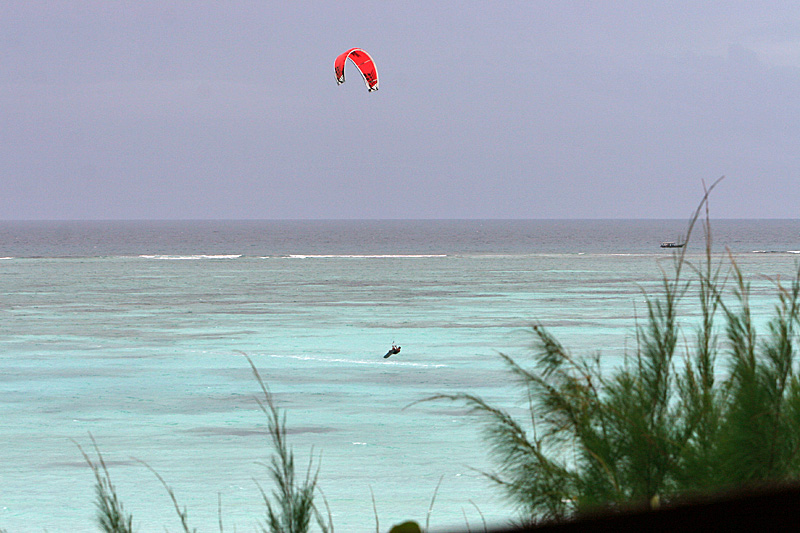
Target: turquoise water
135,333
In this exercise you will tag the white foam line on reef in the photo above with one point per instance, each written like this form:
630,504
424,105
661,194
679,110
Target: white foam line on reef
189,257
775,252
356,256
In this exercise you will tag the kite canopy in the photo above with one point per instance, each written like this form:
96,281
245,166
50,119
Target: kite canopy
365,65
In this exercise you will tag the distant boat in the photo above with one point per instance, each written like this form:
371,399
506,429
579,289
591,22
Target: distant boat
670,244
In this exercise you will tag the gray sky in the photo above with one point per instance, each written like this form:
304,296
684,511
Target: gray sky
492,109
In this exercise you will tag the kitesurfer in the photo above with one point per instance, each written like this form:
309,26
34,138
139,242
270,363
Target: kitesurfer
395,350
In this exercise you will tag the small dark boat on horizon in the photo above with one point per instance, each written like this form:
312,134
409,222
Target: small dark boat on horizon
670,244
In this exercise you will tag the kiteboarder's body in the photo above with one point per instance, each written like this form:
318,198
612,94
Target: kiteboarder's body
395,350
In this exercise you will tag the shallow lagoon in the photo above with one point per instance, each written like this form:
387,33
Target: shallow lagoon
140,343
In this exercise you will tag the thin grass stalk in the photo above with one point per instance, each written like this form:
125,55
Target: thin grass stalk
219,512
325,524
182,513
291,507
375,511
483,518
430,507
111,516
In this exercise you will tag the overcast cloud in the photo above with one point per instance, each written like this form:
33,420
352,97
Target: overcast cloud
536,109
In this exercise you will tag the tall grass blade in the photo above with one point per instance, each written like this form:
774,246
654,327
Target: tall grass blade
111,517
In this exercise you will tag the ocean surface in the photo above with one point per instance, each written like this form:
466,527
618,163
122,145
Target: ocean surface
136,333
